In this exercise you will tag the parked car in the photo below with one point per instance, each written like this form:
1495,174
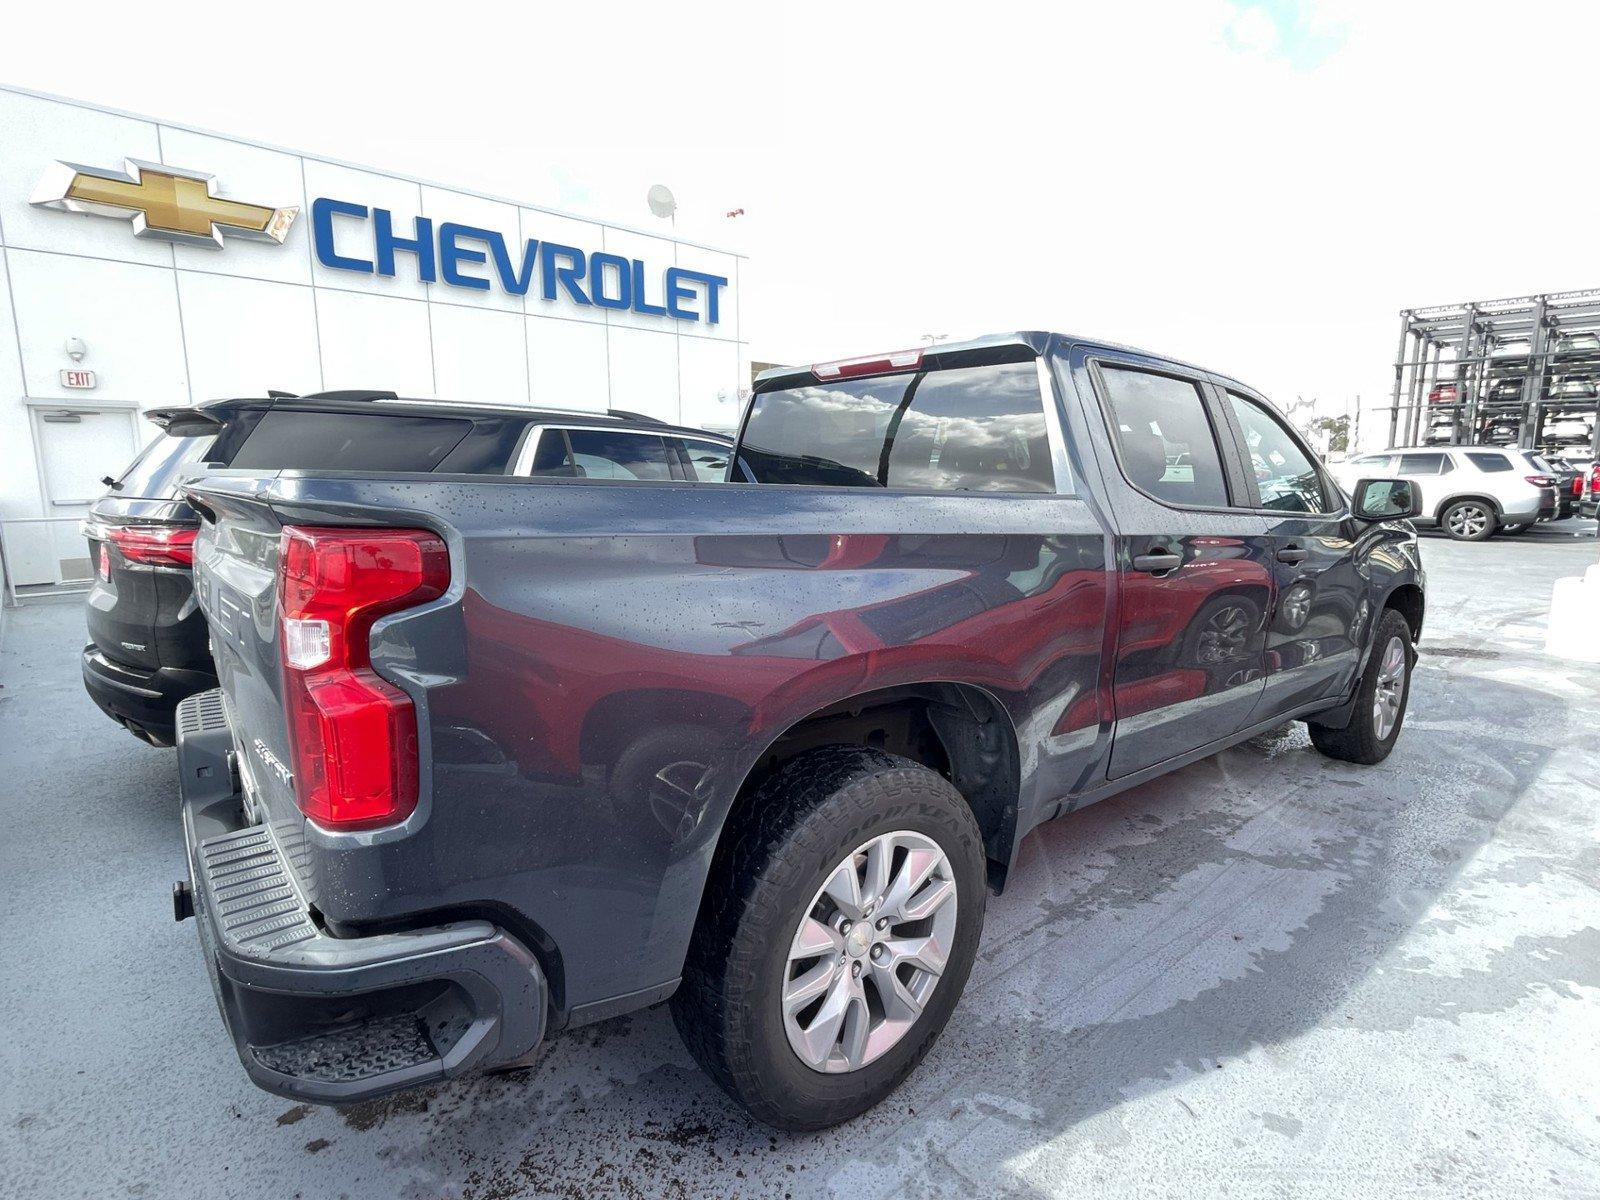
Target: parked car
1589,499
147,639
1568,481
1471,492
496,757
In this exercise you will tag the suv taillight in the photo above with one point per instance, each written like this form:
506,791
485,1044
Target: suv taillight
157,545
1542,481
352,735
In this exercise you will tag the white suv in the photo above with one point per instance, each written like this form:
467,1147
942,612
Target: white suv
1470,492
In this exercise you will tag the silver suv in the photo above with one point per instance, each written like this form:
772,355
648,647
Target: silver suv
1471,492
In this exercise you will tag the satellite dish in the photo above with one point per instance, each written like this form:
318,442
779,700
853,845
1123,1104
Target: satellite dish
661,200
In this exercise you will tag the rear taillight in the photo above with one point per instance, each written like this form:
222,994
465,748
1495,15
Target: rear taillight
156,545
1577,485
105,562
352,735
1543,481
877,364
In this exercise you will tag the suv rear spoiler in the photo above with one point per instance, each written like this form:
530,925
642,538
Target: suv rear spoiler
185,422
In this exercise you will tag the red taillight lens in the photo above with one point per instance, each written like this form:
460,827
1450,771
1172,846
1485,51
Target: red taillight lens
1577,485
158,545
105,562
877,364
1542,480
352,735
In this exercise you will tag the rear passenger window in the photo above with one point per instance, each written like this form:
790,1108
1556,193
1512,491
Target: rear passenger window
963,429
1422,464
708,462
1286,478
291,439
1489,462
602,454
1164,437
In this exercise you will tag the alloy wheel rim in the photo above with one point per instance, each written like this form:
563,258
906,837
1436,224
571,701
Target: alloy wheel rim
869,952
1224,635
1468,520
1391,688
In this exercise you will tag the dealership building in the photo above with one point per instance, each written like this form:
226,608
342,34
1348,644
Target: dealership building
145,265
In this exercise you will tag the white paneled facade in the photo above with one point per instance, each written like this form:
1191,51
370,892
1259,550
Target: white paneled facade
164,325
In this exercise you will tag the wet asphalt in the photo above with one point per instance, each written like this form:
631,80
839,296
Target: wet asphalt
1268,974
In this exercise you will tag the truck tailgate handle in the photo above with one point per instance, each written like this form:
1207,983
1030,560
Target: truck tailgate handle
1157,561
1291,554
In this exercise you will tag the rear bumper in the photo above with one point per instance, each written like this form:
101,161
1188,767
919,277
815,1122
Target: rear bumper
330,1019
144,702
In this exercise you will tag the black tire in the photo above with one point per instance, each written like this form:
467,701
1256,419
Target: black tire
1516,527
1469,521
803,821
1358,741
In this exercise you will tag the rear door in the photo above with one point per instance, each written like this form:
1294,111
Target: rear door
1427,470
1195,583
1311,648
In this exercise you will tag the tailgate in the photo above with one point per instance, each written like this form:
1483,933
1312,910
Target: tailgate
235,581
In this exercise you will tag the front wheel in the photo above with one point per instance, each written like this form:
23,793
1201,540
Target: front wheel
1468,521
836,935
1381,697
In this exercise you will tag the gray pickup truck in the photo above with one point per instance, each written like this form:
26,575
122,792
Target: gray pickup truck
496,756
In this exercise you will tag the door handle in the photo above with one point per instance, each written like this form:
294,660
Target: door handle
1292,554
1157,561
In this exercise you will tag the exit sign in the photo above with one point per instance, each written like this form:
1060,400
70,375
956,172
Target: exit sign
78,381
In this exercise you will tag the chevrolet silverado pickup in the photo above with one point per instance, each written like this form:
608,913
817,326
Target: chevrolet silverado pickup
496,756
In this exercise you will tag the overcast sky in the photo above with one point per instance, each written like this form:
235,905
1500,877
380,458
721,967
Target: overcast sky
1258,185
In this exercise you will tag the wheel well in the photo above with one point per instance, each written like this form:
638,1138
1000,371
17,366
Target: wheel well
958,730
1493,504
1407,600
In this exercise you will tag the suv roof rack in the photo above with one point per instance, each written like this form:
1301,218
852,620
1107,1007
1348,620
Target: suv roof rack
626,415
348,394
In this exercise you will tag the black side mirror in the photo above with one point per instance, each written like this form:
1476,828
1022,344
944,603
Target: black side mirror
1385,500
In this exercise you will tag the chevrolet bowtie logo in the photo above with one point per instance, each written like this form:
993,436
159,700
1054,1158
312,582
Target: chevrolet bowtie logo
167,203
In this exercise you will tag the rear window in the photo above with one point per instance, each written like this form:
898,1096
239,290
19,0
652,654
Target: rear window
979,429
157,472
312,441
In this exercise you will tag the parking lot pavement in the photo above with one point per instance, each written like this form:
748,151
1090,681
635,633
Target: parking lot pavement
1268,974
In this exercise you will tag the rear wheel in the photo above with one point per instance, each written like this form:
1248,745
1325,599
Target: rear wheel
837,933
1468,521
1381,696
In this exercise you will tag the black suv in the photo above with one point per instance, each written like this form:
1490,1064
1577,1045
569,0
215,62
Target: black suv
147,646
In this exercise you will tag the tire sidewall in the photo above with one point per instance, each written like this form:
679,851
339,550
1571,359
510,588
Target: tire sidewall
812,1097
1393,625
1489,528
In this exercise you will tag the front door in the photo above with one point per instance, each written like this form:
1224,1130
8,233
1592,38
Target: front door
1311,649
1195,584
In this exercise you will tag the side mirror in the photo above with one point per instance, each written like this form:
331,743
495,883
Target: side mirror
1384,500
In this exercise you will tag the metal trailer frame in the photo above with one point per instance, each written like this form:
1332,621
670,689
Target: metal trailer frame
1506,359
